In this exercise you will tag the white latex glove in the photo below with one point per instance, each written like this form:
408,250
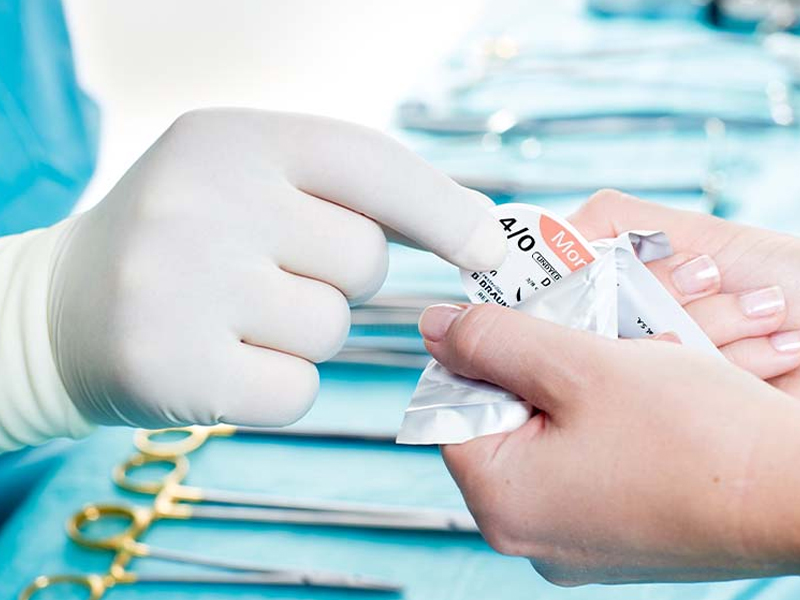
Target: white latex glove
220,269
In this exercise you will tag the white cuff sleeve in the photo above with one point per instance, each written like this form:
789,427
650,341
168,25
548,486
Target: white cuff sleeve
34,406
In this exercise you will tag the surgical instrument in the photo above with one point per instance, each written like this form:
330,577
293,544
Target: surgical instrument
418,116
505,48
192,437
127,546
397,359
506,186
384,332
392,318
393,309
166,508
172,498
96,585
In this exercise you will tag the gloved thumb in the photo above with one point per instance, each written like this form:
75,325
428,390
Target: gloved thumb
543,363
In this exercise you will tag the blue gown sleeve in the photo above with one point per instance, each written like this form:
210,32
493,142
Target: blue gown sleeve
48,125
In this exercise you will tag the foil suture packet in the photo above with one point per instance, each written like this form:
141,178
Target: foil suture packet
551,272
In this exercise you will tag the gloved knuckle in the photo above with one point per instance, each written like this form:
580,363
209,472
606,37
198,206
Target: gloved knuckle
371,236
188,121
366,284
208,130
369,262
333,329
371,139
194,118
298,398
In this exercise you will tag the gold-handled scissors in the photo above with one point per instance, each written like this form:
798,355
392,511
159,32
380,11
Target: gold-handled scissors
172,498
127,546
189,439
170,485
96,586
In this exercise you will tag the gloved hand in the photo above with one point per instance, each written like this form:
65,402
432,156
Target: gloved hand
220,268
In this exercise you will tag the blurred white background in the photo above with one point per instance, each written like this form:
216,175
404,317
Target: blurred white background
145,62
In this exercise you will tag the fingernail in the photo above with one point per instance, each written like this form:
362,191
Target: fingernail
696,276
786,341
436,320
762,303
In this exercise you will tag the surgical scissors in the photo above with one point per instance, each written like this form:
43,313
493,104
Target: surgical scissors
420,117
385,331
173,501
97,585
397,309
191,438
127,546
398,359
505,186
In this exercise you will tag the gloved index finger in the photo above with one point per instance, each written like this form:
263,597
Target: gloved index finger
372,174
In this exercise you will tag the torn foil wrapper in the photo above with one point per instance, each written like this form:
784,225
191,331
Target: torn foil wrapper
614,296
